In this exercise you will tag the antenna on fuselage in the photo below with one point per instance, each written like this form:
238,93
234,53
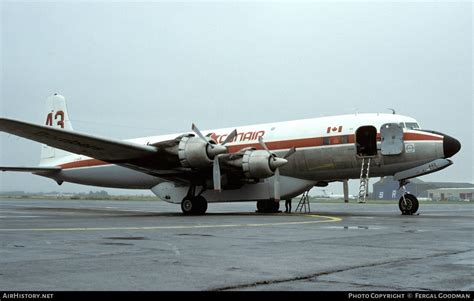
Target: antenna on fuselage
393,110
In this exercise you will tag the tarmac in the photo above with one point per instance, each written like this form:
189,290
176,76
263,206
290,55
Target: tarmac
145,245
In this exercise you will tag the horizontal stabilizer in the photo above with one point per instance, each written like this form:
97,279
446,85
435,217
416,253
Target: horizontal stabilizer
105,149
49,169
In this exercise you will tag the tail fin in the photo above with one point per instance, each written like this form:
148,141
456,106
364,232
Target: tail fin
57,117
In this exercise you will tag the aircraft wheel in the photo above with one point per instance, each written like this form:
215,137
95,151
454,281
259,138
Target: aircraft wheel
187,206
201,207
274,206
261,206
194,206
268,206
410,206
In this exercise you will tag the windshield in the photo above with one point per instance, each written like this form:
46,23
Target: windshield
411,125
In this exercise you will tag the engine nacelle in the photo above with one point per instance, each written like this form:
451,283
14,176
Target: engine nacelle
192,152
256,164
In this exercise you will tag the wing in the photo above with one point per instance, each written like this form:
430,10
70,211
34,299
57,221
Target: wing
151,159
161,159
105,149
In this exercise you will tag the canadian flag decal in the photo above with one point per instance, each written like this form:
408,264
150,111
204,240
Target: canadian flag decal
334,129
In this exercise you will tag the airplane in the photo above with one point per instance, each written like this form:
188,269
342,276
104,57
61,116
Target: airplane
262,163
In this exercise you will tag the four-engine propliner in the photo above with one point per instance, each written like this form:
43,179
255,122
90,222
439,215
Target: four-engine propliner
192,169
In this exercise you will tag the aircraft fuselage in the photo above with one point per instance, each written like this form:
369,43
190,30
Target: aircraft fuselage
327,149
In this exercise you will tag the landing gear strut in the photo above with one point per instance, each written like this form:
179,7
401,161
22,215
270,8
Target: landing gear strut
408,203
194,205
268,206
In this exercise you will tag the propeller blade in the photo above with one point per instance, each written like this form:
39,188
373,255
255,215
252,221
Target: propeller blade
276,185
198,132
216,174
290,152
230,137
262,144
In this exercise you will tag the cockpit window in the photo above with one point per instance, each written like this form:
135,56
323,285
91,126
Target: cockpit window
412,125
402,125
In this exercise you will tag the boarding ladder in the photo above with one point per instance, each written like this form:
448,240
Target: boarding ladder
304,203
364,180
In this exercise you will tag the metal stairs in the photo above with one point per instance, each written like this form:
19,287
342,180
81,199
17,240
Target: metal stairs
364,180
304,203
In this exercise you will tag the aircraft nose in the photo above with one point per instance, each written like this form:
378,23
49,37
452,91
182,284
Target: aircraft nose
450,146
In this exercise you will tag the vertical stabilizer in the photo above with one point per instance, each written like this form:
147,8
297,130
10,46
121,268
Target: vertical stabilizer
56,116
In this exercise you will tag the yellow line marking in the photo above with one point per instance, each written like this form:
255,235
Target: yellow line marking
327,219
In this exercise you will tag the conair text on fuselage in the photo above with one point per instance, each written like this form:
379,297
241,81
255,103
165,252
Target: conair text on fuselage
243,136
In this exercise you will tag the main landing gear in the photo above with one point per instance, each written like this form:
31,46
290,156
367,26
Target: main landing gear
408,203
194,205
268,206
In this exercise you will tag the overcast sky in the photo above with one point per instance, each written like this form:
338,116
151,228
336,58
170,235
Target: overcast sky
136,69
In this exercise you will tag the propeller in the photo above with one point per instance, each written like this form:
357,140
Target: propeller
275,164
214,151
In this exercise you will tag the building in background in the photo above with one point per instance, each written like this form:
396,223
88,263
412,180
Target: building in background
388,189
451,194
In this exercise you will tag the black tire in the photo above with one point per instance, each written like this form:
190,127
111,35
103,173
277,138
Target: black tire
261,206
274,206
194,206
201,205
187,206
268,206
411,206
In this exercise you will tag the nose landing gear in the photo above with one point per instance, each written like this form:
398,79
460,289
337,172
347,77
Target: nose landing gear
408,204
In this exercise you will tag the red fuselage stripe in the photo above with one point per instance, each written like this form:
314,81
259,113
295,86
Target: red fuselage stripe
83,163
284,144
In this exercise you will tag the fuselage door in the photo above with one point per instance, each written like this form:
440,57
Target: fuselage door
392,139
366,141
